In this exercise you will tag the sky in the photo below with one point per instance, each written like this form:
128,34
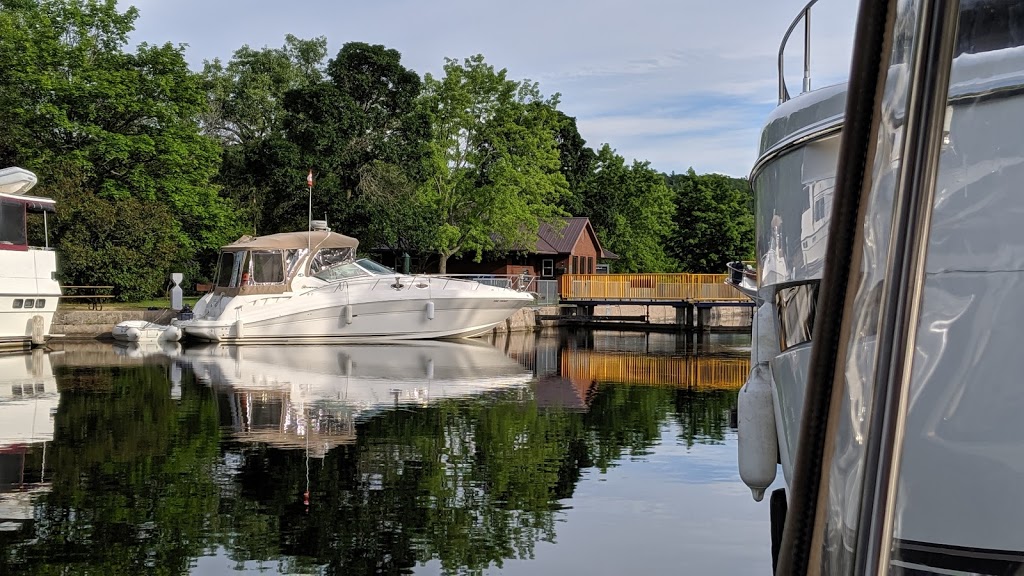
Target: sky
678,83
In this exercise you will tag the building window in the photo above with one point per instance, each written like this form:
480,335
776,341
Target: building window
590,264
575,265
547,268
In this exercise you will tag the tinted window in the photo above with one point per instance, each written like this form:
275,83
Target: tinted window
267,267
227,264
795,306
12,223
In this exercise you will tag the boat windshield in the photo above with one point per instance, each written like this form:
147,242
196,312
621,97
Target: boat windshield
353,269
374,267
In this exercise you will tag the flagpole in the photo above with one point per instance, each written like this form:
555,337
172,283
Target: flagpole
309,231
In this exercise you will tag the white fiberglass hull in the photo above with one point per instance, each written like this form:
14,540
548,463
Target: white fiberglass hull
327,315
27,277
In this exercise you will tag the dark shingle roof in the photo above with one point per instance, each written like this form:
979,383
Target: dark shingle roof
552,240
561,241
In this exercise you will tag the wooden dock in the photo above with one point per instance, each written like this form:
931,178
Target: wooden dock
692,295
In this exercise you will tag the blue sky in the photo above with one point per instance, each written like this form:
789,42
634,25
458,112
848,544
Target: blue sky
677,82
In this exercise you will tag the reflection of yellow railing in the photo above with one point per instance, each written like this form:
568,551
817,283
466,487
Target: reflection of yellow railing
647,287
681,372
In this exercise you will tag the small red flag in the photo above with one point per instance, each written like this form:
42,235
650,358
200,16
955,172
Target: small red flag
309,179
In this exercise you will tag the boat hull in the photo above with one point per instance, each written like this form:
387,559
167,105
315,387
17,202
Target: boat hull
329,318
961,448
27,276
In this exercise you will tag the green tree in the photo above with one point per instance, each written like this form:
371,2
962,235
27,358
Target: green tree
577,162
260,168
75,107
631,209
493,169
714,221
361,122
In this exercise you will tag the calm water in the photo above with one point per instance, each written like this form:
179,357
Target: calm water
583,452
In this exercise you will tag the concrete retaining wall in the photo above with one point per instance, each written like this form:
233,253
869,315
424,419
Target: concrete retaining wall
93,324
96,324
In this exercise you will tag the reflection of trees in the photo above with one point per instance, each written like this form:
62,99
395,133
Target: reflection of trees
703,416
144,483
132,490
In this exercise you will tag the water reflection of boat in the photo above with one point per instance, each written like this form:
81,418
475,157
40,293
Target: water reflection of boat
28,402
288,395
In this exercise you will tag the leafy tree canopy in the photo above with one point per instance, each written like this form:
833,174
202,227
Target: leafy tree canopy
75,106
493,170
714,221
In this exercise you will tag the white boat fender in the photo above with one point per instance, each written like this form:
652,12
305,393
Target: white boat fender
239,328
132,334
430,310
38,337
758,443
348,314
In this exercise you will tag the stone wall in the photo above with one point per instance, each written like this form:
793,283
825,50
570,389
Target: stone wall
93,324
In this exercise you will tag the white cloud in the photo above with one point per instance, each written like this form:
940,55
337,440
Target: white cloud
649,60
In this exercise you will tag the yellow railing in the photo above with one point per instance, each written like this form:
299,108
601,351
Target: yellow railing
647,287
674,371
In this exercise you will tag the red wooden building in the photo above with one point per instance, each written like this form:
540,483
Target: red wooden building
572,249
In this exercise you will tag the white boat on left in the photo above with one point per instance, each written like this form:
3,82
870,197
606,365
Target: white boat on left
29,289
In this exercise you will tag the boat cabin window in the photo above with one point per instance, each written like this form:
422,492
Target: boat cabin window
267,267
225,270
292,258
12,224
796,306
329,257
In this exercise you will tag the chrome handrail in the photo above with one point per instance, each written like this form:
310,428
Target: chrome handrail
804,15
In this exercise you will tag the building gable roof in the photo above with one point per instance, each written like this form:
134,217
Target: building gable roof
552,240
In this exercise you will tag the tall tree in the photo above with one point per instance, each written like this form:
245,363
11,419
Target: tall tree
631,209
75,107
246,115
714,221
361,121
493,171
577,162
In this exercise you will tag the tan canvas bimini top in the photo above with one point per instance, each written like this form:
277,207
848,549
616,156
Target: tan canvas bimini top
293,240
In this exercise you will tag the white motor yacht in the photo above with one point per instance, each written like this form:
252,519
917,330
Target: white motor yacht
882,378
310,286
29,289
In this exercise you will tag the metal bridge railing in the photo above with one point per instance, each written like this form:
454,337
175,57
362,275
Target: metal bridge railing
647,287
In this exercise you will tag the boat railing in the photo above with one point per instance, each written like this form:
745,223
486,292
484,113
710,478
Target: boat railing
805,16
523,282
